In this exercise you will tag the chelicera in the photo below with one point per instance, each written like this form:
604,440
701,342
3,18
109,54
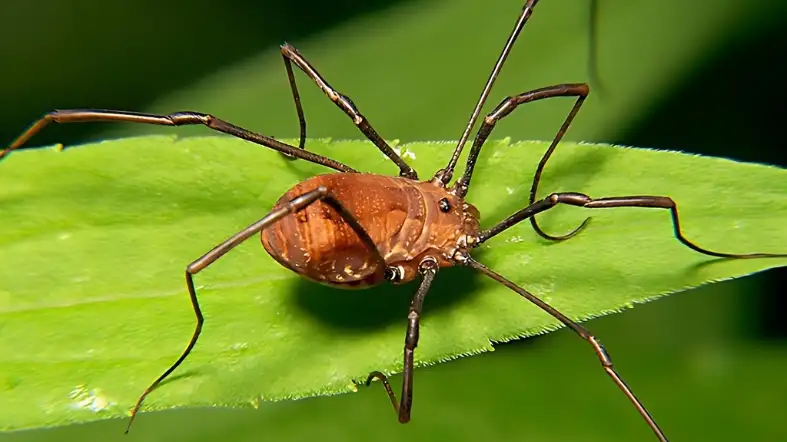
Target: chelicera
354,230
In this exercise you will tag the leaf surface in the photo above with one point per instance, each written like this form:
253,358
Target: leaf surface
93,304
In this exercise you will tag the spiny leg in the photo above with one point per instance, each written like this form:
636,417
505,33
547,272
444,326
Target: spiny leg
603,356
428,269
174,119
291,55
443,176
319,194
579,90
582,200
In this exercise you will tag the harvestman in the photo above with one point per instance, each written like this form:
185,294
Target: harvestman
341,235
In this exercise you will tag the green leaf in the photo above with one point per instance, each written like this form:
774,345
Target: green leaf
93,303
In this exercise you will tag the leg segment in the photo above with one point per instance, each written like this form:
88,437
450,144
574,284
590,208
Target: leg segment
294,205
428,271
443,176
603,356
508,105
582,200
175,119
291,55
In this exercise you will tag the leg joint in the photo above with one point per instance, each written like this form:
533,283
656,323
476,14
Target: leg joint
411,338
603,355
181,118
571,198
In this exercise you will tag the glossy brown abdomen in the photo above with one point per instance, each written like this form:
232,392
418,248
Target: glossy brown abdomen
318,244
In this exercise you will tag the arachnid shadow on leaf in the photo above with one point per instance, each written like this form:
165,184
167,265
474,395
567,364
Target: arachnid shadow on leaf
378,307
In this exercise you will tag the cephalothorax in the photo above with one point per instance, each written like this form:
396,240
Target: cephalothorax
354,230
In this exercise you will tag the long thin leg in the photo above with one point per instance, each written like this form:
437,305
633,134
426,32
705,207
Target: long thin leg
582,200
291,55
294,205
603,356
579,90
174,119
428,269
443,176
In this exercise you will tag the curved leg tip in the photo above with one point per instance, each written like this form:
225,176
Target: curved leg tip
373,375
562,237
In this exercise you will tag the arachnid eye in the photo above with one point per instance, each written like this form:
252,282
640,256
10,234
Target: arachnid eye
393,274
444,205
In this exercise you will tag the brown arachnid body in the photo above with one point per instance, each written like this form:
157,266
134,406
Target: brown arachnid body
354,230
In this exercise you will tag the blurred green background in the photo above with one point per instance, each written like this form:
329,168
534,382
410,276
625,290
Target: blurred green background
697,76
